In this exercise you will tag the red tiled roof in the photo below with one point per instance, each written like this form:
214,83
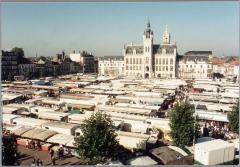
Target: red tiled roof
217,61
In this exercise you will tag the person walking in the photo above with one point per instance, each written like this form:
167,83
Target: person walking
53,161
33,144
59,153
38,145
51,153
33,162
38,162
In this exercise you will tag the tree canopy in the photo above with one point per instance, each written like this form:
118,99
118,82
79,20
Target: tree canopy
98,141
9,149
233,118
182,124
18,51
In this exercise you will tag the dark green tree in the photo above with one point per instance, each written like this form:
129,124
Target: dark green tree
18,51
10,77
182,124
9,150
43,72
98,141
57,71
233,118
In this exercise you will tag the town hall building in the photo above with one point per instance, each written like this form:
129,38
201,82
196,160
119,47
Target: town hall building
151,60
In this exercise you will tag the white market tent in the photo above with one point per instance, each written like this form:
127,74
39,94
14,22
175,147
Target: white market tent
8,118
53,115
38,134
61,127
212,115
132,140
62,139
142,161
214,152
29,122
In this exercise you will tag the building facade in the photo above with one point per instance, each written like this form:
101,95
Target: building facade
151,60
10,61
111,65
85,59
27,70
195,65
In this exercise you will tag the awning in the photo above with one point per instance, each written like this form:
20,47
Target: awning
39,134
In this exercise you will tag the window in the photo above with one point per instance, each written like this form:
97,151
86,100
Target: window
130,67
171,61
163,60
167,61
133,61
160,61
130,60
163,68
140,61
127,60
166,68
201,66
190,66
156,68
147,60
137,61
160,68
133,67
171,68
156,61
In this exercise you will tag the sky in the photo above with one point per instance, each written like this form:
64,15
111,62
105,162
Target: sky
45,29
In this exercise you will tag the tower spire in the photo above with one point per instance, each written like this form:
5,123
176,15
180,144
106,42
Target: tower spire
166,28
148,24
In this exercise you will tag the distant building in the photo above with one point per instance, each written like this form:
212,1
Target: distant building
27,68
96,61
44,67
226,67
10,61
111,66
59,57
195,65
151,60
85,59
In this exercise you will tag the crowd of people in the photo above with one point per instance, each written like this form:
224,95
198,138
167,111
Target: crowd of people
31,144
218,130
59,152
37,162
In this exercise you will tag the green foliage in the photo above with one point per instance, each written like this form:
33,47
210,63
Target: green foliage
57,71
182,124
9,150
98,142
18,51
42,58
233,118
43,72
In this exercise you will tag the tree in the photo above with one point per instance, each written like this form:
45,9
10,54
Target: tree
57,71
9,149
43,72
182,124
233,118
18,51
98,141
